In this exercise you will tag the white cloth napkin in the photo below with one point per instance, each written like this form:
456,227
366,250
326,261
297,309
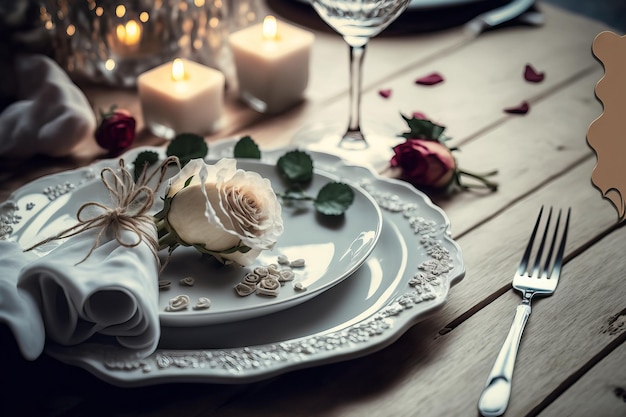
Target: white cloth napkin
17,309
114,293
50,116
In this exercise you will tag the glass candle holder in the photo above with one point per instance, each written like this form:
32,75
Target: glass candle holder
113,41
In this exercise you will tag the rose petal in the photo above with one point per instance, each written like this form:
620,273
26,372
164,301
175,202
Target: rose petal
385,93
431,79
419,115
523,108
531,75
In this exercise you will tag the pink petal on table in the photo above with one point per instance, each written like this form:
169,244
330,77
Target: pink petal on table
385,93
431,79
419,115
523,108
531,74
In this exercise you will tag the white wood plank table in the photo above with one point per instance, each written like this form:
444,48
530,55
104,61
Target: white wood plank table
572,358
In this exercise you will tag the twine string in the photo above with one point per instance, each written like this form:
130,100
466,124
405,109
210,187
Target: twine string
129,212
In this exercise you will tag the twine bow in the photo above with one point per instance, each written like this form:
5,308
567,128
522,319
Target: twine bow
131,202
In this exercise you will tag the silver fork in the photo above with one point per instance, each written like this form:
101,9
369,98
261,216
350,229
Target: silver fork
536,281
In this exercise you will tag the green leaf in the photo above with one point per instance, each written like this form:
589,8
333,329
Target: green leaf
424,129
296,166
187,146
143,161
247,148
334,198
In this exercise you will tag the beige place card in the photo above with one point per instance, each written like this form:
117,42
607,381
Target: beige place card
607,134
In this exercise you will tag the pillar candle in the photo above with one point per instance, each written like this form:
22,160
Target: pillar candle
182,97
272,64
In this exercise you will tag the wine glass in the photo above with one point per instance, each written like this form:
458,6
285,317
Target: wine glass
356,21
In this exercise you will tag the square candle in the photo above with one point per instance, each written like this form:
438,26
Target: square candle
272,64
181,97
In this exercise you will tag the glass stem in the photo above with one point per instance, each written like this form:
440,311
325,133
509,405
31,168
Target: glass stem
354,138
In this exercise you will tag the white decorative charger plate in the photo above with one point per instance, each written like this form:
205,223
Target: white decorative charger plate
407,276
331,248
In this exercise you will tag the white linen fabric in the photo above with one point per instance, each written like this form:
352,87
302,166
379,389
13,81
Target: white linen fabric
114,292
17,309
50,116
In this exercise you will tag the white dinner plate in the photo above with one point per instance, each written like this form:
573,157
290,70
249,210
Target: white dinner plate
331,248
407,276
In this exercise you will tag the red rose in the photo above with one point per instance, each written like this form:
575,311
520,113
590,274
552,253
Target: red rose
116,131
424,163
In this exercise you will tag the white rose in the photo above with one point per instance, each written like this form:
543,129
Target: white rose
230,213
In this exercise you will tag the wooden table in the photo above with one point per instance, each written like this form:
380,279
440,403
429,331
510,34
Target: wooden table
572,356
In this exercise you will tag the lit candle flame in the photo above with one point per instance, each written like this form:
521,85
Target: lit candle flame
270,31
178,70
129,34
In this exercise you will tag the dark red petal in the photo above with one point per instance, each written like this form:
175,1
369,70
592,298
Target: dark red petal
531,75
523,108
431,79
385,93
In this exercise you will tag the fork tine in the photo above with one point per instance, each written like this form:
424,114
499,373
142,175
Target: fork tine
546,267
542,244
524,262
558,261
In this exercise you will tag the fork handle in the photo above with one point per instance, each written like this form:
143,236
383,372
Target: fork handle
495,397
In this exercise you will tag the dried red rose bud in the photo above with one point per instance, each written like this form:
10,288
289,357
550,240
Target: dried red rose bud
424,163
116,131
